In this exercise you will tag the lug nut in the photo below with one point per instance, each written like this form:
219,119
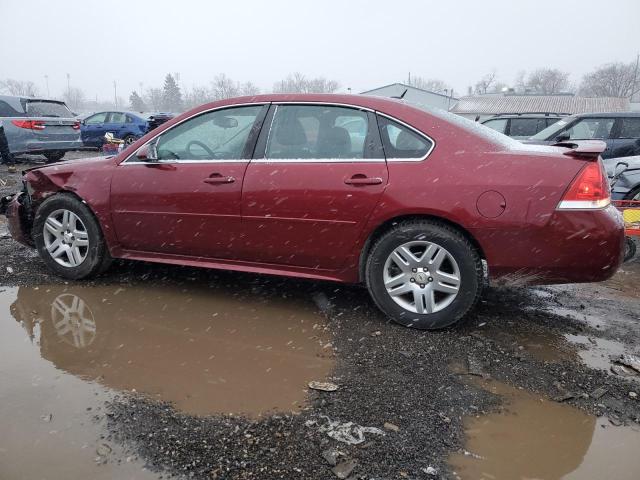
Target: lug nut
431,279
414,270
422,285
412,280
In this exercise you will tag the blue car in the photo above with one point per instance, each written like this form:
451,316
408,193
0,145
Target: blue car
125,125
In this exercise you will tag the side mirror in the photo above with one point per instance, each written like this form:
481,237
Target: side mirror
563,137
147,153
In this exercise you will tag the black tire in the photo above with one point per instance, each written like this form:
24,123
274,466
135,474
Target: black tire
455,243
97,257
629,249
129,139
54,156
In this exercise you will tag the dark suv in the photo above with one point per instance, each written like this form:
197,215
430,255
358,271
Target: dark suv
620,131
522,125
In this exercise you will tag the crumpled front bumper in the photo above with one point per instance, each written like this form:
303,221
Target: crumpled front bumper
19,218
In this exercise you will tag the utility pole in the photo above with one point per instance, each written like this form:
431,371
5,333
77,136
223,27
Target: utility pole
115,93
68,87
46,79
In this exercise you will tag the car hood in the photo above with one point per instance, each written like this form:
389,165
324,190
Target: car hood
76,162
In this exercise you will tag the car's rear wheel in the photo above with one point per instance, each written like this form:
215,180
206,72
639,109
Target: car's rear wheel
69,239
54,156
424,274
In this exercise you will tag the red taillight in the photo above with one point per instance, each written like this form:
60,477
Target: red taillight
76,126
589,190
29,124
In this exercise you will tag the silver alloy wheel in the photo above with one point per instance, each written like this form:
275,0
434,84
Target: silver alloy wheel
66,238
73,320
421,277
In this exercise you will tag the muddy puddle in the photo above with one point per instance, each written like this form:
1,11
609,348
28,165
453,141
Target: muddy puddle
67,349
535,438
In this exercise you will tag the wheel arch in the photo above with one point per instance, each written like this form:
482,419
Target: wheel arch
390,223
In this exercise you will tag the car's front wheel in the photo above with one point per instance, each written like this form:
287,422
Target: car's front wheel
129,139
424,274
69,238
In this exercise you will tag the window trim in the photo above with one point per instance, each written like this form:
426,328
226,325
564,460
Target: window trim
126,161
415,130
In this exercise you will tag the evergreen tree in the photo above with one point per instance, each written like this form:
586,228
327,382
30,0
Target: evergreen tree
137,104
171,95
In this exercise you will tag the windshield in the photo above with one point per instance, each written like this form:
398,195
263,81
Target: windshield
552,130
43,108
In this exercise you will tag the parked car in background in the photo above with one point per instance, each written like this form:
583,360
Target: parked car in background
620,131
283,184
39,126
627,186
128,126
522,125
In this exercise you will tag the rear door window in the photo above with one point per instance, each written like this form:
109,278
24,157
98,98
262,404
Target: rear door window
630,128
524,127
117,117
317,132
499,124
401,142
43,108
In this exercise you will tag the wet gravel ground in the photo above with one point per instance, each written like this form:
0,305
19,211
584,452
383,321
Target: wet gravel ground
415,382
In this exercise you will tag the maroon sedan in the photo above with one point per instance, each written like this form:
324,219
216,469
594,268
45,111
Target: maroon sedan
333,187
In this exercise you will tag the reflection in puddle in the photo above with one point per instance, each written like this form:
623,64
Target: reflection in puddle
207,351
535,438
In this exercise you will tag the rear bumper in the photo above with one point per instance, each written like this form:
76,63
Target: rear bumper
38,146
19,219
573,247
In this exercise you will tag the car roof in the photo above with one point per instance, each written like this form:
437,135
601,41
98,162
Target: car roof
608,114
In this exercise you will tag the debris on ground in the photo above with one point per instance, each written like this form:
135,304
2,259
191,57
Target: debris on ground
323,386
332,455
391,427
630,361
622,371
430,471
348,432
344,469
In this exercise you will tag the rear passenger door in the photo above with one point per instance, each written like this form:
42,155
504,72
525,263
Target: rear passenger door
627,141
316,176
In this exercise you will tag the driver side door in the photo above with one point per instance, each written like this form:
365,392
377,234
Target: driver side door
188,201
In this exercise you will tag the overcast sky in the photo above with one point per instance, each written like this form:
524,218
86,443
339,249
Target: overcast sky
361,44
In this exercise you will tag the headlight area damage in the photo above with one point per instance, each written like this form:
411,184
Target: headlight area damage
20,207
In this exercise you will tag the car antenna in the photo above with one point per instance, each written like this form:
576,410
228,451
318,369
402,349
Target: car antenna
402,95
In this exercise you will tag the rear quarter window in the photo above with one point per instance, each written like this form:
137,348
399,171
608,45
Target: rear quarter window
401,142
630,128
7,110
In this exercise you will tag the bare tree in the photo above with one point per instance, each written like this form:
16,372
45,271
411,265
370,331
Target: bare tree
431,84
487,83
197,96
546,81
74,97
249,88
298,83
224,87
612,80
153,97
19,87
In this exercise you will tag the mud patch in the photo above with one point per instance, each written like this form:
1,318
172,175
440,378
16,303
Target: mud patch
533,437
